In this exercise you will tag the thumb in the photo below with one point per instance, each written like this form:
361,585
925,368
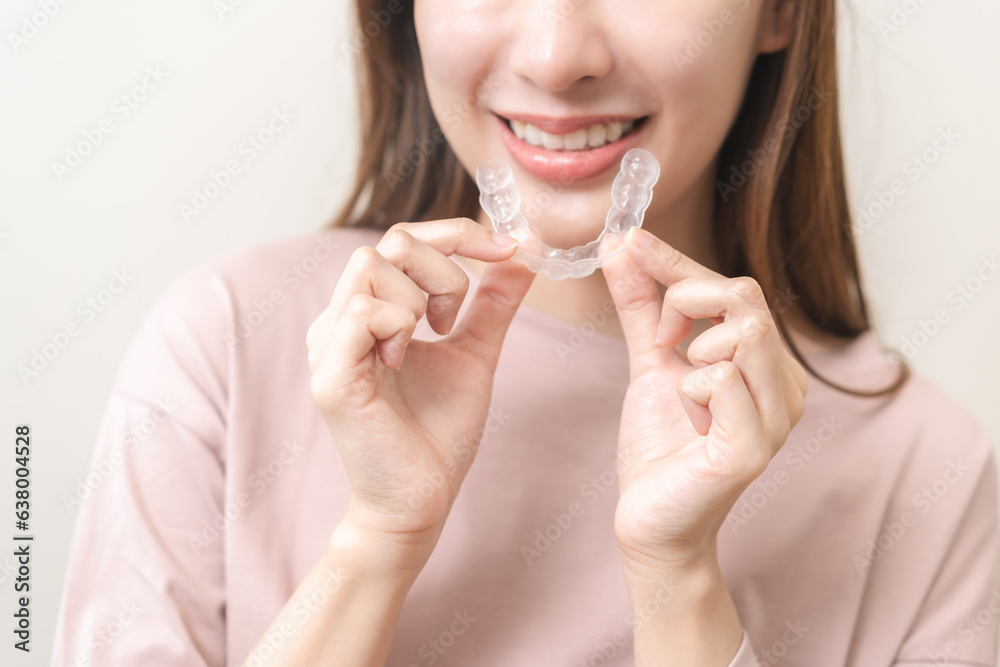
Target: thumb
637,300
500,292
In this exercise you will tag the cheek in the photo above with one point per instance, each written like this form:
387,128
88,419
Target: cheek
455,50
705,54
700,64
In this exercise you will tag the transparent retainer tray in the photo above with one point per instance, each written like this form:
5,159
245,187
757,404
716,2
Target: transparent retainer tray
631,195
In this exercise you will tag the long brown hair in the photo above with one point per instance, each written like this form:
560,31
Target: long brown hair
781,203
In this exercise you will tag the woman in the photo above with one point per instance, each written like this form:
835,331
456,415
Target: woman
652,485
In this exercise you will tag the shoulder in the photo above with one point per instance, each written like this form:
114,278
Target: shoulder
918,438
284,264
238,291
201,317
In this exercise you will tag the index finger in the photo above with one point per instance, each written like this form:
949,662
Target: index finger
632,278
663,262
462,236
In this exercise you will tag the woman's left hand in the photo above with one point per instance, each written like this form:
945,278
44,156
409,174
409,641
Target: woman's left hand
696,429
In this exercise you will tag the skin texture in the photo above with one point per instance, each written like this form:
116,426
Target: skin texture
699,423
598,58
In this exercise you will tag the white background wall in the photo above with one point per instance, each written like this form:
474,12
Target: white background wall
61,240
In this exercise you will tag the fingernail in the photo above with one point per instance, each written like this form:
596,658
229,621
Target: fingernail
661,332
640,238
504,241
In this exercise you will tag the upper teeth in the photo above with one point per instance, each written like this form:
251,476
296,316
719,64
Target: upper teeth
592,137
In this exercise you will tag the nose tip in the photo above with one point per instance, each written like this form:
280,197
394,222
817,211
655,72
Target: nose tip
555,48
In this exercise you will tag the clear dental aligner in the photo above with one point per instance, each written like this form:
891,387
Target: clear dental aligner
631,195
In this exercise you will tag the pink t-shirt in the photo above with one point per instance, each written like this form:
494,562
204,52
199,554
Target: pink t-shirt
872,539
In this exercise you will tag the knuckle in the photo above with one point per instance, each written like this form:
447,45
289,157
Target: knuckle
498,296
366,257
754,326
361,305
676,290
319,388
396,242
798,408
796,403
461,284
457,227
800,375
640,302
410,323
398,227
455,284
725,372
670,260
692,383
696,352
747,289
313,358
310,334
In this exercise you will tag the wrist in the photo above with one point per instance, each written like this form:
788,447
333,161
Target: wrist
690,560
391,556
669,580
682,615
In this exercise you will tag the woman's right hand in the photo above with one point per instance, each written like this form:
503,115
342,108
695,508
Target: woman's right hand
408,427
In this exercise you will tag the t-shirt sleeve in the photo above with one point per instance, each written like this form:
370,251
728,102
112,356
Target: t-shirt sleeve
959,620
144,584
745,656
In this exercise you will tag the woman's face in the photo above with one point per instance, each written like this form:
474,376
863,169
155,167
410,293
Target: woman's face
561,89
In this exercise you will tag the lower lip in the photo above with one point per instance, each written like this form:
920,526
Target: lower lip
567,166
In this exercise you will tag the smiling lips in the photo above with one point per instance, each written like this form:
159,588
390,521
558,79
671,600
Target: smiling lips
568,149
